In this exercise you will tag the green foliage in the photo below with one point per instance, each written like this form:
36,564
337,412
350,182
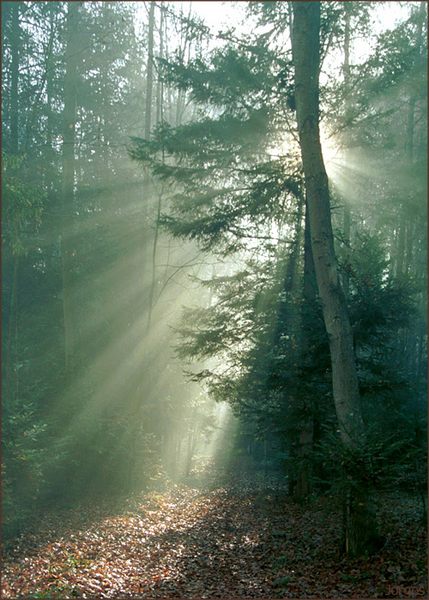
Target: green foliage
46,459
222,181
224,157
380,303
23,205
378,465
23,455
229,75
224,177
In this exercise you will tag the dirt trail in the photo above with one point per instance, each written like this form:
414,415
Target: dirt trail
218,544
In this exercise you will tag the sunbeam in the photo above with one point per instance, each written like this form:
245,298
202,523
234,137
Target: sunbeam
214,299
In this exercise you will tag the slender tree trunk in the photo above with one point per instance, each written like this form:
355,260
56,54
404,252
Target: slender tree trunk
180,101
296,487
140,396
160,85
290,279
11,370
14,75
160,116
409,141
51,226
400,250
143,389
149,73
68,165
154,252
147,131
148,123
306,56
303,484
50,154
345,383
407,337
11,383
168,101
347,212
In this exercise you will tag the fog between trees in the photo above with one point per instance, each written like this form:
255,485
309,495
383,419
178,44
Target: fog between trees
200,283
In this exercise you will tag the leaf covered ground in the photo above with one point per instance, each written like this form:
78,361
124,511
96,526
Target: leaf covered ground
224,543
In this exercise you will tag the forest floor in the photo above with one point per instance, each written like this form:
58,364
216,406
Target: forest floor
229,542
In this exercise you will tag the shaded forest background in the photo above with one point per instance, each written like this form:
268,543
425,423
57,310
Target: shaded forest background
151,165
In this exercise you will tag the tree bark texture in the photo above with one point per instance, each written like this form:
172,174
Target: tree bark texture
344,377
306,58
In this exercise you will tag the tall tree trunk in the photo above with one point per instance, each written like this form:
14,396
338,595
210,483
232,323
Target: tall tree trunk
181,95
400,249
147,188
303,483
160,117
147,127
51,222
295,479
345,384
11,371
160,84
149,73
11,375
406,239
154,253
409,140
142,392
347,212
306,56
291,271
68,165
14,75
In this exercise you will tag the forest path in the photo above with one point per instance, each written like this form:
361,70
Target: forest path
218,544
